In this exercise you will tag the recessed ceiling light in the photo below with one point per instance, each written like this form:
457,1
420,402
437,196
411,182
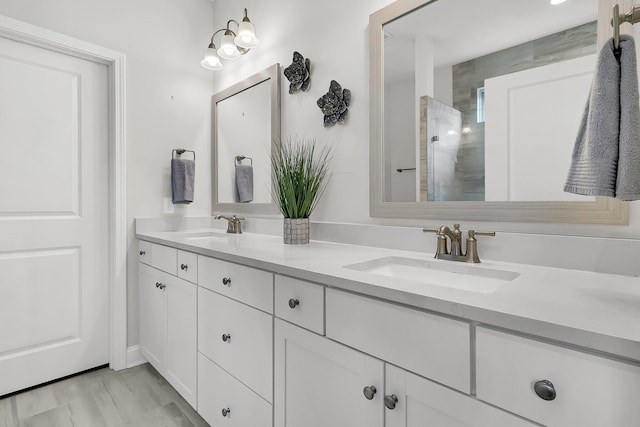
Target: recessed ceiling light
557,1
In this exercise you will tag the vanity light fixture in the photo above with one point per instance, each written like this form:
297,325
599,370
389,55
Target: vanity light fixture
232,45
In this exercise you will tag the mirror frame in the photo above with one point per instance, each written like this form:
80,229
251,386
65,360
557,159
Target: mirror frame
272,74
604,210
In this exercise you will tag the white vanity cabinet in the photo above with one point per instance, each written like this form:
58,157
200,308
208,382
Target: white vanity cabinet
319,383
575,388
422,402
168,323
235,344
270,350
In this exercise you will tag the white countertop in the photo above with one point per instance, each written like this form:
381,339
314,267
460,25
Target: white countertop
596,311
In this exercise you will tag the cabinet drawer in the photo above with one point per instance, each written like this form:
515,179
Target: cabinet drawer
300,302
245,284
217,390
144,251
245,351
164,258
433,346
590,390
188,266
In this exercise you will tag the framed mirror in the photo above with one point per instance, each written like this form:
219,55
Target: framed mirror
245,122
474,110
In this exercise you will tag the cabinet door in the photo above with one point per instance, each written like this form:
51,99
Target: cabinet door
421,402
319,383
152,316
181,336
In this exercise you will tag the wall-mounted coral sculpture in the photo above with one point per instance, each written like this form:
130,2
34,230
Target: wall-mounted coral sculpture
298,73
334,104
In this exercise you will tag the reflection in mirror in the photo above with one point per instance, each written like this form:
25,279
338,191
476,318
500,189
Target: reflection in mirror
481,110
497,107
246,119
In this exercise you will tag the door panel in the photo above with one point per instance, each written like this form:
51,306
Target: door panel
319,383
54,215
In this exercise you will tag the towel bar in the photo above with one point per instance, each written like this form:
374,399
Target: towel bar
632,17
239,160
181,151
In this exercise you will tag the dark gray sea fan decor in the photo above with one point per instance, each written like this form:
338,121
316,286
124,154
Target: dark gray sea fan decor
334,104
298,73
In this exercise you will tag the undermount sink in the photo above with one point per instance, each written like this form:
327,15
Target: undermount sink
468,277
203,235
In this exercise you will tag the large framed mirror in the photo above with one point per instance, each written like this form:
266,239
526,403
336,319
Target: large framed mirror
245,124
474,110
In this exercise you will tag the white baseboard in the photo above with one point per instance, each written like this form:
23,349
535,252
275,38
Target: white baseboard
134,357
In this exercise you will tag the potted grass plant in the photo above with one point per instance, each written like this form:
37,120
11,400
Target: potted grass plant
299,172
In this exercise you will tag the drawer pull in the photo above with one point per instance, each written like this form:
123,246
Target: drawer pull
545,390
390,401
158,284
142,253
293,303
226,411
226,281
161,286
183,267
369,391
226,338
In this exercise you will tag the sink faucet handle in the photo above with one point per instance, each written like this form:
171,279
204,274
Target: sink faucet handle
472,244
481,233
441,245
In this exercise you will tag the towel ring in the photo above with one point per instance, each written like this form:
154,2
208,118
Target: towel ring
181,151
239,160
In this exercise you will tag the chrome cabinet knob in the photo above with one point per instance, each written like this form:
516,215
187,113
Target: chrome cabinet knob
545,389
369,391
293,303
226,411
183,267
390,401
142,253
226,338
226,281
158,284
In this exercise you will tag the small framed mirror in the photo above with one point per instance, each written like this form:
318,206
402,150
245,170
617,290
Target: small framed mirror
245,123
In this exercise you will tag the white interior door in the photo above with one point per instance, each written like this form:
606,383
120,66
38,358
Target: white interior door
54,215
532,119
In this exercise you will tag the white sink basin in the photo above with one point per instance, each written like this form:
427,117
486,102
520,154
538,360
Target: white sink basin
452,274
203,235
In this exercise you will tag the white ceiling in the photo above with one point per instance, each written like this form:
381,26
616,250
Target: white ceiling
465,29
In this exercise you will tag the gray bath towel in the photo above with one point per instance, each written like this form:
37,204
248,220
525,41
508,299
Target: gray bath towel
182,180
244,183
606,155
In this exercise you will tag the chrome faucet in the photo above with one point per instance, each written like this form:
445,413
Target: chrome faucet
234,225
455,237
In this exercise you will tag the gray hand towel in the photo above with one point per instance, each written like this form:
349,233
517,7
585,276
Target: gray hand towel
244,183
182,180
606,155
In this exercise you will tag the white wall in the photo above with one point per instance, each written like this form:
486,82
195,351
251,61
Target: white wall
167,93
333,34
400,152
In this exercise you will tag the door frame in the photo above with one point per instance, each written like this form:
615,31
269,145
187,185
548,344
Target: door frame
115,61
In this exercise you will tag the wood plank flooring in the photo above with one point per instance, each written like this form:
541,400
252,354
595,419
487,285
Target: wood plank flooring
135,397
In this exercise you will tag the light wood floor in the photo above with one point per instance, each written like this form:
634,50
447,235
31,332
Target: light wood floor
137,397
